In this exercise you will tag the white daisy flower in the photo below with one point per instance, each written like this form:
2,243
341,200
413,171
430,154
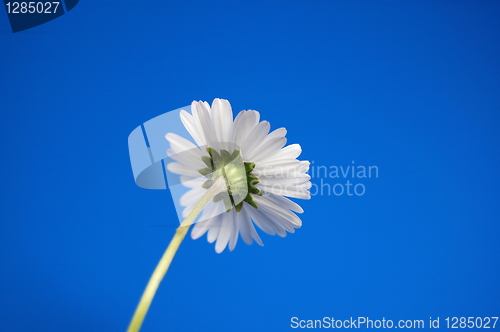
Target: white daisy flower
271,171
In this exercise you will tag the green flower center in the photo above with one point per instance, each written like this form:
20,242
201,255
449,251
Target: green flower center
240,182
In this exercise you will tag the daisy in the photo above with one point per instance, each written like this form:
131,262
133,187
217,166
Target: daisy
237,174
258,171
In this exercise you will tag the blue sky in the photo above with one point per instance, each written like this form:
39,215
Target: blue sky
410,87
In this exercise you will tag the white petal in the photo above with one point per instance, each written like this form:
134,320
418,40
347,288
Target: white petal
191,182
248,121
260,221
290,152
224,233
248,226
187,158
213,232
192,127
278,172
284,163
216,120
235,229
286,203
256,138
196,120
305,185
284,191
179,143
212,209
281,224
207,125
222,116
280,132
183,169
282,217
254,115
236,126
192,197
288,218
206,106
267,150
271,221
201,228
285,182
244,226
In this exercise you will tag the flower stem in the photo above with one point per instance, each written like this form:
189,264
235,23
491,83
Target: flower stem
168,256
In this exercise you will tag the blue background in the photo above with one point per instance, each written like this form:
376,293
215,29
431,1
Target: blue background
411,87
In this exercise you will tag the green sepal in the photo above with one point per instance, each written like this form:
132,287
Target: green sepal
226,157
250,201
219,197
207,184
208,162
254,190
239,207
237,197
216,158
252,180
249,167
234,155
205,171
228,202
214,155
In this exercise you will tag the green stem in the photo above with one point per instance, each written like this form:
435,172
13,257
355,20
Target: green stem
168,256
